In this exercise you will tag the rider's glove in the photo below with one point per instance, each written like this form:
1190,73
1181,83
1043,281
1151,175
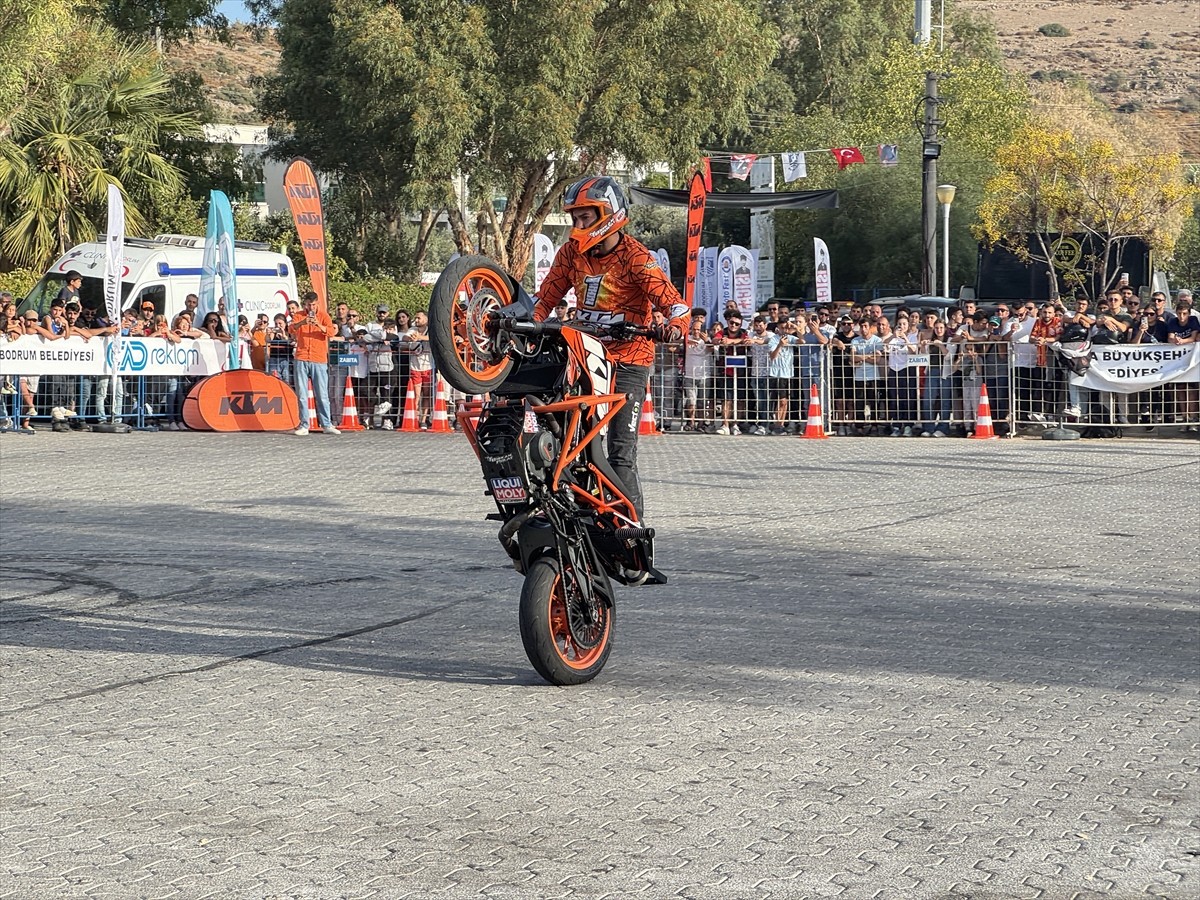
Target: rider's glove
668,334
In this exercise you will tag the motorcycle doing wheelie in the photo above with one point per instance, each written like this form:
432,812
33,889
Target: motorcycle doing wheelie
547,401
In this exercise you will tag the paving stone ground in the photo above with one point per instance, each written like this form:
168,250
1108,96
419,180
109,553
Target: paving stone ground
263,666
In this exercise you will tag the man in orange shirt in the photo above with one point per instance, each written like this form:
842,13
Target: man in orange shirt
311,329
616,279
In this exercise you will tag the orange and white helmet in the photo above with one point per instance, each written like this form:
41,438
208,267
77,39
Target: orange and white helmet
603,194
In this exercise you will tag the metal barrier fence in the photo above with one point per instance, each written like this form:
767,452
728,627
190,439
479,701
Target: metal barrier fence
736,390
899,393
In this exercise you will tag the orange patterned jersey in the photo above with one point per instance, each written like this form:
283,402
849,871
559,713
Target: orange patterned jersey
627,285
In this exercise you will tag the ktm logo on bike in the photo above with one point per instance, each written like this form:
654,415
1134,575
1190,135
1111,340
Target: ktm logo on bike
508,490
241,400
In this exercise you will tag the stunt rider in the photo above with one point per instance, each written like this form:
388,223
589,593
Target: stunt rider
616,279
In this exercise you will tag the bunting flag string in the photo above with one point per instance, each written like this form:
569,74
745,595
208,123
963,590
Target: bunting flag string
795,162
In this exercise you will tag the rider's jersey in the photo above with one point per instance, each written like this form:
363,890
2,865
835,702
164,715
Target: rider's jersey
626,285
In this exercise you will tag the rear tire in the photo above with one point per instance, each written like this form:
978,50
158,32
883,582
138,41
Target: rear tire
468,292
556,655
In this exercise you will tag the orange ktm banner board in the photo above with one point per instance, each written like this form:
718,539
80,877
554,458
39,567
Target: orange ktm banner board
695,226
304,198
241,400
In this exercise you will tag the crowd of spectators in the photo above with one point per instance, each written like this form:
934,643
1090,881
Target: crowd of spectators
921,372
909,372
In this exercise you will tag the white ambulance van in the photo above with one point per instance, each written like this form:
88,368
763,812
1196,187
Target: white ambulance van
164,270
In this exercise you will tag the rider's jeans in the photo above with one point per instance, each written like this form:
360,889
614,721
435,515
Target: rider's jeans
623,429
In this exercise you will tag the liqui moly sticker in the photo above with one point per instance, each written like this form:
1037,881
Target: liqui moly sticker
531,422
508,490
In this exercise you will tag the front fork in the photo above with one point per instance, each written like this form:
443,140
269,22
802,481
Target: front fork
549,532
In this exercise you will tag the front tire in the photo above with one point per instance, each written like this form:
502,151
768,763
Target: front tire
552,648
469,292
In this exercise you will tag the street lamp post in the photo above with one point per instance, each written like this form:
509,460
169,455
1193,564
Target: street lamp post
945,195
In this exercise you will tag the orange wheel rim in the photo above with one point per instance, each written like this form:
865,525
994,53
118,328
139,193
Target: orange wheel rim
565,645
479,295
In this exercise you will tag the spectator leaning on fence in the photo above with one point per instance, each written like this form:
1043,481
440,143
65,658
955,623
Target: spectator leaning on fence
697,370
1185,330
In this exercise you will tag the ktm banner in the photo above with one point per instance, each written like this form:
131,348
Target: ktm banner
241,400
695,226
304,198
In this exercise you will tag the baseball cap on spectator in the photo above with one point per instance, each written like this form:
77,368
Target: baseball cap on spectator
382,308
72,306
31,316
994,320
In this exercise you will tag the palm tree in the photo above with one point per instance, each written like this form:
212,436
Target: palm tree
102,127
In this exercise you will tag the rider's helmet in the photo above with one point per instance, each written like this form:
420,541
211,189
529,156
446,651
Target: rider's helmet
603,194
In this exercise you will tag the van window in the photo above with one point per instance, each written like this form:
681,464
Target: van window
91,292
156,294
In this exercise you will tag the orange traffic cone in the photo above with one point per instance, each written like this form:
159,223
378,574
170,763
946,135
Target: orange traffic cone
647,425
815,427
410,412
983,418
440,423
312,407
350,410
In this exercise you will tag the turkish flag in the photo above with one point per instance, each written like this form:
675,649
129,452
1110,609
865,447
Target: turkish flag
847,156
740,165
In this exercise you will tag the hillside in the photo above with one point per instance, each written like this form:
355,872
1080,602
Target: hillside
1139,56
231,71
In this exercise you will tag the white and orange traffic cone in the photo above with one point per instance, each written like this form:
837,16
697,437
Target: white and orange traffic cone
350,410
647,425
312,407
983,418
814,429
440,424
410,422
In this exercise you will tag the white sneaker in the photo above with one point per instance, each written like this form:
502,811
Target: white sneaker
724,429
908,431
926,434
1073,411
330,430
939,433
735,430
895,432
149,409
1037,417
382,409
388,426
301,430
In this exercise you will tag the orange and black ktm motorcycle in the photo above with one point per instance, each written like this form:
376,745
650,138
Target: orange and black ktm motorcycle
546,401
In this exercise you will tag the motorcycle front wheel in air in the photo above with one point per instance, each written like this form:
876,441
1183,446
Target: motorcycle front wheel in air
564,644
467,297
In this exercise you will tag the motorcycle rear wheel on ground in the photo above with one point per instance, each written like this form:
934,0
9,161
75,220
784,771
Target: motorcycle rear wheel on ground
565,643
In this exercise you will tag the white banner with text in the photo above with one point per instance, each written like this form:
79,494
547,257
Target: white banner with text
1129,368
34,355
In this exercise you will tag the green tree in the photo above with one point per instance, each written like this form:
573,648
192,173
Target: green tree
1052,182
398,98
162,20
102,127
27,29
875,235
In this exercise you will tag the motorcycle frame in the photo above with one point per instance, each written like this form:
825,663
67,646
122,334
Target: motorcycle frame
574,444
